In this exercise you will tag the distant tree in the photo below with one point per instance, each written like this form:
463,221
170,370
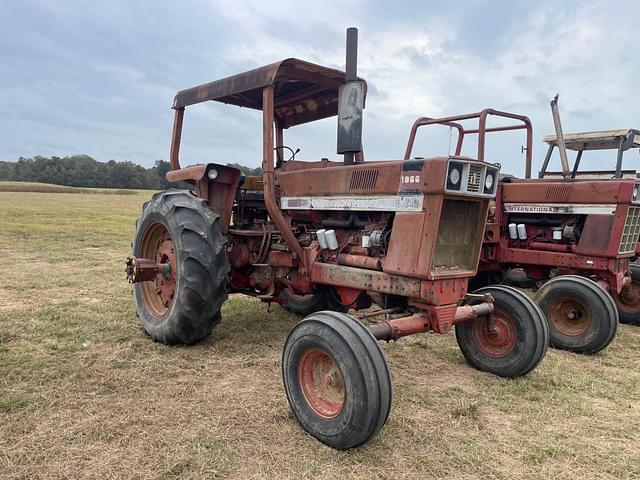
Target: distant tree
85,171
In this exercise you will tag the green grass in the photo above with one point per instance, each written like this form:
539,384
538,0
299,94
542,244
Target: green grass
84,393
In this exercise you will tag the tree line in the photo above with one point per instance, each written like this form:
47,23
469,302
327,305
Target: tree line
85,171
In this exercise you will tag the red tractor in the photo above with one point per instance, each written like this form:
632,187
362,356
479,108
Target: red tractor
569,234
324,237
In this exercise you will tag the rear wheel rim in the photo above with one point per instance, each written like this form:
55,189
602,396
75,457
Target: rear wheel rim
569,317
500,340
157,245
322,383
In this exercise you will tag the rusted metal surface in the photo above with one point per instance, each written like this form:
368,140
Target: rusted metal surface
569,316
334,179
143,269
305,91
156,269
370,263
268,177
495,335
436,319
220,192
191,174
175,138
400,327
377,313
328,274
322,383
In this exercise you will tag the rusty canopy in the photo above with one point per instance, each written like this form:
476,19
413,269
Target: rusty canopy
303,91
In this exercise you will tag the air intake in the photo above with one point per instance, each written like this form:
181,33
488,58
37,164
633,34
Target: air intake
363,180
561,193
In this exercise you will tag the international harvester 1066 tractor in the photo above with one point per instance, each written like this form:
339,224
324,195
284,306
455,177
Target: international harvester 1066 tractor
321,238
569,234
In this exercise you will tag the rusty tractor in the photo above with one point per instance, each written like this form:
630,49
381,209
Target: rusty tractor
571,235
322,237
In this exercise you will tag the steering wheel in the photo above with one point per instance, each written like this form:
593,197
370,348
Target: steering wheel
280,161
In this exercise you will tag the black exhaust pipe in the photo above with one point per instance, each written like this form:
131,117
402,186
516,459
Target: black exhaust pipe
350,103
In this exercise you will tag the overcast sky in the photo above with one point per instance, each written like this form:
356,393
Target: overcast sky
98,77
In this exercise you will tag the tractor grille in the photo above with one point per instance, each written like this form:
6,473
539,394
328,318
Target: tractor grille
631,232
559,193
363,179
459,236
473,180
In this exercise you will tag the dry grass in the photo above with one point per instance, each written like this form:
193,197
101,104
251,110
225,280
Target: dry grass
52,188
84,394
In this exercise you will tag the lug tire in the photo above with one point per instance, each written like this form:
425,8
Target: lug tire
304,305
201,268
352,406
520,341
594,319
629,312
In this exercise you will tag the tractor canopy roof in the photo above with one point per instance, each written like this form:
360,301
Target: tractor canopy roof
603,140
303,91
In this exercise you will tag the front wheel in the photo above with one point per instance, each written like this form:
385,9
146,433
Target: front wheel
628,301
336,379
512,342
581,314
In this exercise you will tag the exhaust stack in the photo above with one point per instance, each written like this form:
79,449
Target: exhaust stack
350,103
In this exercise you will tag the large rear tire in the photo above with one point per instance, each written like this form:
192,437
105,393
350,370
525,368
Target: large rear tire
182,305
336,379
582,316
628,301
519,339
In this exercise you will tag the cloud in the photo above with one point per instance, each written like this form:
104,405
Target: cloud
99,78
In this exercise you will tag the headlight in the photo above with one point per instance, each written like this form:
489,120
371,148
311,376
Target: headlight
489,180
454,176
212,174
634,197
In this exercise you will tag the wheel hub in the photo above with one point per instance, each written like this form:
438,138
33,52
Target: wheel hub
569,317
495,336
322,383
158,277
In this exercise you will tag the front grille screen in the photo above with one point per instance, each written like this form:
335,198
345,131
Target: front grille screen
473,179
631,231
458,243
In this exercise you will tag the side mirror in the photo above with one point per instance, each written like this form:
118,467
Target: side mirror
350,106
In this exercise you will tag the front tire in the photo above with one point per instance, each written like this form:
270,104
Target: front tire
582,316
183,304
519,339
336,379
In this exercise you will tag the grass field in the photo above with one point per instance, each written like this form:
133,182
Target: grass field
85,394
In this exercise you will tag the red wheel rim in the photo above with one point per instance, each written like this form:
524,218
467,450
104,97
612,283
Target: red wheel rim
322,383
157,245
569,317
496,337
